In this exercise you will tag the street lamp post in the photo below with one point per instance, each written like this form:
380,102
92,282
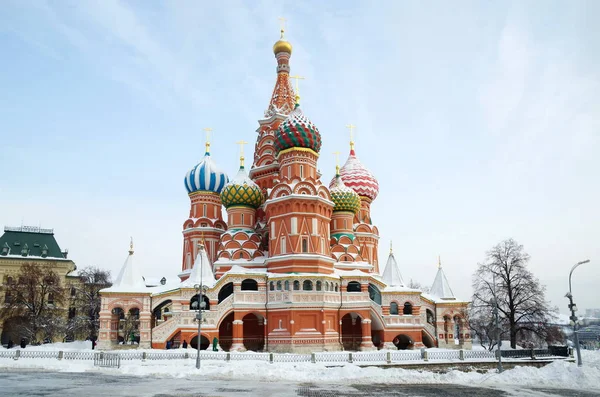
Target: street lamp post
573,309
200,304
496,313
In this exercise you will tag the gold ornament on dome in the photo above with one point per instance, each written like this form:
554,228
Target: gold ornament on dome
282,45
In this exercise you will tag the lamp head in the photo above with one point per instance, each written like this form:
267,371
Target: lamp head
582,262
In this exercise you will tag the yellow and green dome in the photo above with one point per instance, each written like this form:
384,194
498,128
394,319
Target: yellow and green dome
344,198
242,191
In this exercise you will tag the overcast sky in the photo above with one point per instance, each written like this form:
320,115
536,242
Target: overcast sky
481,121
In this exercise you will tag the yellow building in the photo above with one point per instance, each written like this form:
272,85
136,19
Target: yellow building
27,244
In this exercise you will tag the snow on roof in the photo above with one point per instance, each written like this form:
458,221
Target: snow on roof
202,273
391,275
129,278
441,287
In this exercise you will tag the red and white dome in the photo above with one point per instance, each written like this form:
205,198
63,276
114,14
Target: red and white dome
357,177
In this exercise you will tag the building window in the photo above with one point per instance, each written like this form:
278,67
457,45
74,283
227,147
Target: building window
271,286
242,218
249,285
353,286
304,245
283,247
73,291
314,226
296,285
294,224
307,285
336,288
72,312
279,286
456,327
301,171
430,317
393,308
326,286
7,297
319,286
290,172
286,285
204,210
407,308
273,235
51,299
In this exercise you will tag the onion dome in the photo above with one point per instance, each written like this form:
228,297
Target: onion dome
242,191
344,198
282,46
205,176
357,177
297,131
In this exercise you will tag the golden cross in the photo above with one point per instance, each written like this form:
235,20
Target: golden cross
337,158
282,23
131,245
439,262
208,130
296,77
391,246
352,127
241,143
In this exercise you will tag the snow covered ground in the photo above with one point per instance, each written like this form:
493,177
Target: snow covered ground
560,374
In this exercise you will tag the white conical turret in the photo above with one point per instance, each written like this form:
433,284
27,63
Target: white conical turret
441,287
391,274
202,273
129,279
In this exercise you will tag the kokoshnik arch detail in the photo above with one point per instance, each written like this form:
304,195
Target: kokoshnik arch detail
294,268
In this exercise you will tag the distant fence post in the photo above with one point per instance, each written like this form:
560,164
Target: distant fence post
143,356
60,355
461,355
186,355
313,359
425,355
17,355
388,357
228,357
349,357
533,354
271,358
423,352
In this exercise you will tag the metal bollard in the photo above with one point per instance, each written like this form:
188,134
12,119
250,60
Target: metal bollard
228,357
349,357
270,358
17,355
388,357
461,354
60,355
313,358
425,358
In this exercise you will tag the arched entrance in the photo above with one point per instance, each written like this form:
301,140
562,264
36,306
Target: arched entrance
377,336
204,342
161,313
254,332
351,331
12,330
226,332
403,342
427,340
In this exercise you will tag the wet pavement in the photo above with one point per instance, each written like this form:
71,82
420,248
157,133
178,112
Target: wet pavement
61,384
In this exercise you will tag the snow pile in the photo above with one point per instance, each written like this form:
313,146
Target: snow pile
560,374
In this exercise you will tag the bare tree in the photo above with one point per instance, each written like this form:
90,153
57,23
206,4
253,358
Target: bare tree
85,301
417,285
36,298
520,296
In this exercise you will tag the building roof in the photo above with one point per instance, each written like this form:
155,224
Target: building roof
31,241
129,279
441,287
391,274
202,273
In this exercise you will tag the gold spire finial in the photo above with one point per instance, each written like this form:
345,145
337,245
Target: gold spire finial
201,245
391,251
282,23
130,245
297,89
439,262
337,163
241,143
208,130
352,127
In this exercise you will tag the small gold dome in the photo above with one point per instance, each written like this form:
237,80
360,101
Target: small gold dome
282,46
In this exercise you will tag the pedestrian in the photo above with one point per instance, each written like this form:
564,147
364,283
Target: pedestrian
93,344
215,343
23,343
185,344
10,344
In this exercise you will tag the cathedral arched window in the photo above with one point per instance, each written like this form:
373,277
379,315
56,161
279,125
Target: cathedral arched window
353,286
430,316
249,285
307,285
408,309
225,291
326,286
271,286
278,285
393,308
296,285
319,286
336,288
286,285
456,327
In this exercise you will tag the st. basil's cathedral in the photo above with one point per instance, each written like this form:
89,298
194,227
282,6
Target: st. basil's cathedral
295,266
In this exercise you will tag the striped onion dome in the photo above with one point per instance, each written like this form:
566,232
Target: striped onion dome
297,131
344,198
357,177
205,176
242,191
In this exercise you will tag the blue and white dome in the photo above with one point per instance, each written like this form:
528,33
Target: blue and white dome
205,176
